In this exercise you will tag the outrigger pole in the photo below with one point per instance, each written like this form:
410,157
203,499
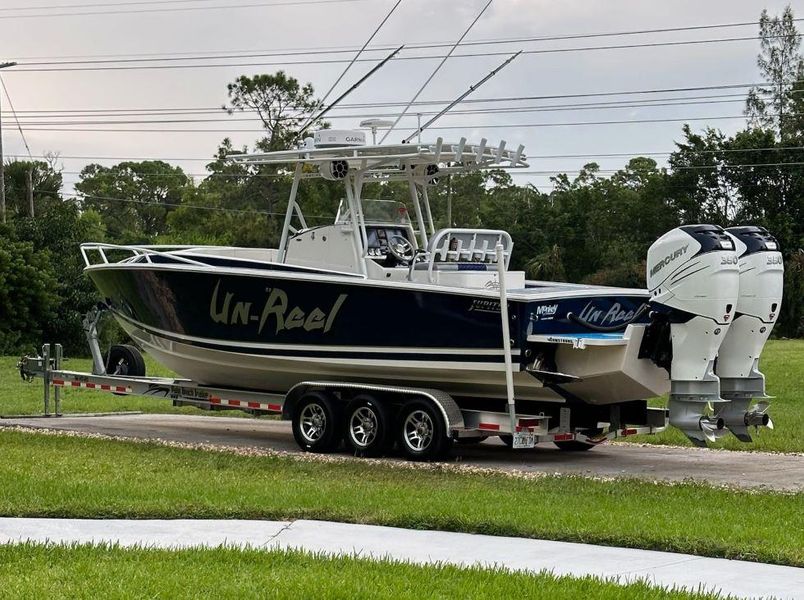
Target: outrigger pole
320,103
471,89
437,69
349,91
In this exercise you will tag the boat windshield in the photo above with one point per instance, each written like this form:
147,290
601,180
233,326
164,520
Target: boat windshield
376,212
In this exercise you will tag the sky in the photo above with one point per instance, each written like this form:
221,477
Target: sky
42,31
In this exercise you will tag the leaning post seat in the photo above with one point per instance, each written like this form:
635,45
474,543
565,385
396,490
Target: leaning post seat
465,250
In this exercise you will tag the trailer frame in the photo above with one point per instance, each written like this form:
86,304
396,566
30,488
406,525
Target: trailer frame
461,423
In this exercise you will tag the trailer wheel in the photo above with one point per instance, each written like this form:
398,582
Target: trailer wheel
367,426
421,431
315,423
125,360
507,439
574,446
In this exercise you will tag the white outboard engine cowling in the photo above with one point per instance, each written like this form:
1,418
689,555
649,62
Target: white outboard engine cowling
693,280
761,284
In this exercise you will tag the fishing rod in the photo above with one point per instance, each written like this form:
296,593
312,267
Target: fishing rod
320,103
433,74
349,91
460,98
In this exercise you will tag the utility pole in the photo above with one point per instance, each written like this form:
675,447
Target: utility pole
29,188
2,160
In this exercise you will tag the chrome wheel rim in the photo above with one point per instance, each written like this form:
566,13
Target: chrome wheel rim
419,430
363,426
313,421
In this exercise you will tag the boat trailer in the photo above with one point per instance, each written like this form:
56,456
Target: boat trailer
455,424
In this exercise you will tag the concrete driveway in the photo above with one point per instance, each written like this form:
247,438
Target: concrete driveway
743,469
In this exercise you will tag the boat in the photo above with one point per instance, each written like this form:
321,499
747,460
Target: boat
380,297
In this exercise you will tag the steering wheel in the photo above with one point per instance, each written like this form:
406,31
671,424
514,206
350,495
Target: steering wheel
400,248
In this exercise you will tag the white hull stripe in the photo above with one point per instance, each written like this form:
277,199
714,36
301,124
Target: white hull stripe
315,348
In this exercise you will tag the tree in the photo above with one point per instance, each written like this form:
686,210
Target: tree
133,198
27,299
781,65
281,103
46,182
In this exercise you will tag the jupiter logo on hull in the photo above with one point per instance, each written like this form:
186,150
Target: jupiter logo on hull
276,310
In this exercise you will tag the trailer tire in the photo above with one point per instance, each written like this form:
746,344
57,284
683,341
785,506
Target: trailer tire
125,360
316,426
421,431
573,446
507,439
367,426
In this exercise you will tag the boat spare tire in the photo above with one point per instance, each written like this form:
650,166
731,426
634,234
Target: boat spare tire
421,431
316,426
125,360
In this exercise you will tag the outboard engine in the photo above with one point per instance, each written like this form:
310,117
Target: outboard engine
693,280
761,284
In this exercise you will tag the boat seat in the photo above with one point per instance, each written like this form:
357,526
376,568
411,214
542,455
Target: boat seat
472,246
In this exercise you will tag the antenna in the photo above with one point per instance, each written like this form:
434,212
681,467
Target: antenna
437,69
349,91
349,66
471,89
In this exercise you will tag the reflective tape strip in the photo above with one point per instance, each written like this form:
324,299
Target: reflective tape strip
629,432
88,385
242,403
489,426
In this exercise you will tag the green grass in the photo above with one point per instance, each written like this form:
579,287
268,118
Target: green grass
37,571
18,397
782,363
58,476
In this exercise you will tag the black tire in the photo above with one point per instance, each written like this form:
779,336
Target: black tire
507,439
421,431
367,426
574,446
316,423
125,360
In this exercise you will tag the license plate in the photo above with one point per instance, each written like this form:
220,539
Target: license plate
524,439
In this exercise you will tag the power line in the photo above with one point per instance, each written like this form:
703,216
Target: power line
397,58
174,9
80,196
616,104
289,176
530,157
101,5
217,55
357,105
439,128
13,112
68,119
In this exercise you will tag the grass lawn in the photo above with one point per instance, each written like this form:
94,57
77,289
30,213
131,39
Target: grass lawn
59,476
35,571
782,362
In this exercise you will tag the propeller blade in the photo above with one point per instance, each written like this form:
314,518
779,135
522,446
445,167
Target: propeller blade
770,424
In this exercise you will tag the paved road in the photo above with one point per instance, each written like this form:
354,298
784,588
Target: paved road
744,469
740,579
